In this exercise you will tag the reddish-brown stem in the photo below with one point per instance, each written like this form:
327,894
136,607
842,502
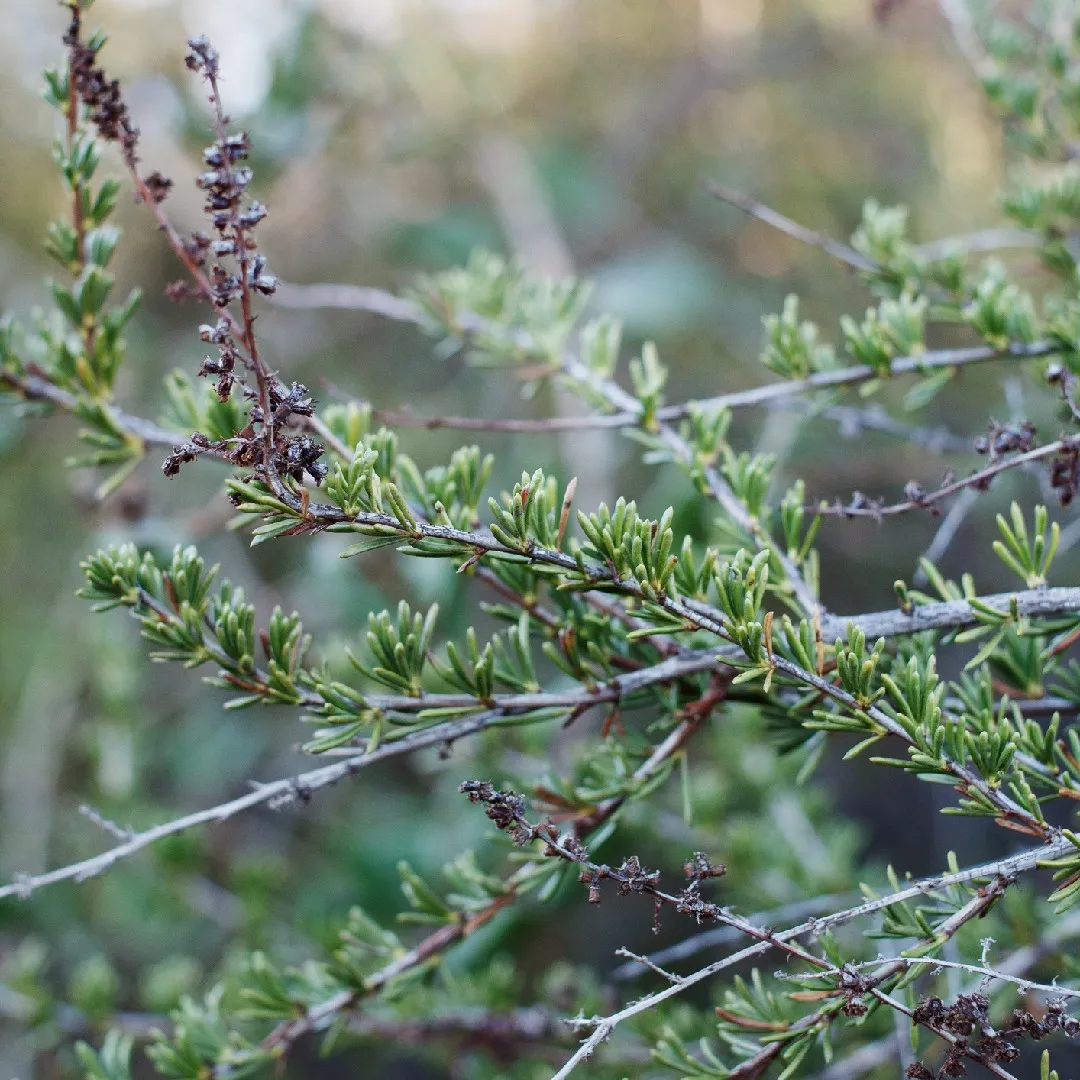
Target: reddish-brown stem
247,329
88,329
1065,643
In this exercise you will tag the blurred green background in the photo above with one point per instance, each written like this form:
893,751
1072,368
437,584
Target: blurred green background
392,137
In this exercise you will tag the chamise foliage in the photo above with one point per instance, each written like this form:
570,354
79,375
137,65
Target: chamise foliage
610,609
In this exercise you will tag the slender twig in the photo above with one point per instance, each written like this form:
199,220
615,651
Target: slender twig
993,974
644,963
616,689
514,425
1015,864
489,577
851,421
1046,706
677,738
849,983
225,185
39,388
933,359
348,298
238,233
976,907
504,808
862,507
1009,810
318,1017
273,793
915,364
978,243
502,1030
117,832
317,427
841,252
360,298
725,935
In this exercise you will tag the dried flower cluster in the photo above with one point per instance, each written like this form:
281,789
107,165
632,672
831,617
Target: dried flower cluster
105,105
506,809
226,269
235,270
969,1015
